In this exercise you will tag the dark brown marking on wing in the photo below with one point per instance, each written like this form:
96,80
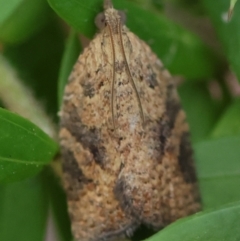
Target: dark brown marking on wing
173,107
152,81
88,89
124,200
119,67
186,159
151,78
164,134
75,176
88,137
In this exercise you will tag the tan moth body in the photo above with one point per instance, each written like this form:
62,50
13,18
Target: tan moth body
124,139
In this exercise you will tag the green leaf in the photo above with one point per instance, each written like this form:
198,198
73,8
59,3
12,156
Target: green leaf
158,4
217,225
201,110
218,168
21,18
78,14
228,32
181,51
71,53
25,149
229,124
23,211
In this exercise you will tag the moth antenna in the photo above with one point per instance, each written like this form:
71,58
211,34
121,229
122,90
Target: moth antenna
113,78
130,75
107,4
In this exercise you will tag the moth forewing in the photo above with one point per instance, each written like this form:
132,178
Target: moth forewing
127,158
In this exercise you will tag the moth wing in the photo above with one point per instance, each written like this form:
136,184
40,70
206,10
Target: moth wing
89,175
157,183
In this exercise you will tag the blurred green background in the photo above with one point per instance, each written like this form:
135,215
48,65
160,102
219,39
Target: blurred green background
39,43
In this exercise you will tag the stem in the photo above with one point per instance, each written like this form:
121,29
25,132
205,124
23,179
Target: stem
230,11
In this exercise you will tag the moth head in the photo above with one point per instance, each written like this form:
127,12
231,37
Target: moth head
110,15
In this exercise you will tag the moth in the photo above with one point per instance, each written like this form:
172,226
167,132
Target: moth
127,158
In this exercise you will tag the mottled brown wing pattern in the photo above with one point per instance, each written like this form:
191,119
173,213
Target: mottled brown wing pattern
157,186
127,159
90,169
